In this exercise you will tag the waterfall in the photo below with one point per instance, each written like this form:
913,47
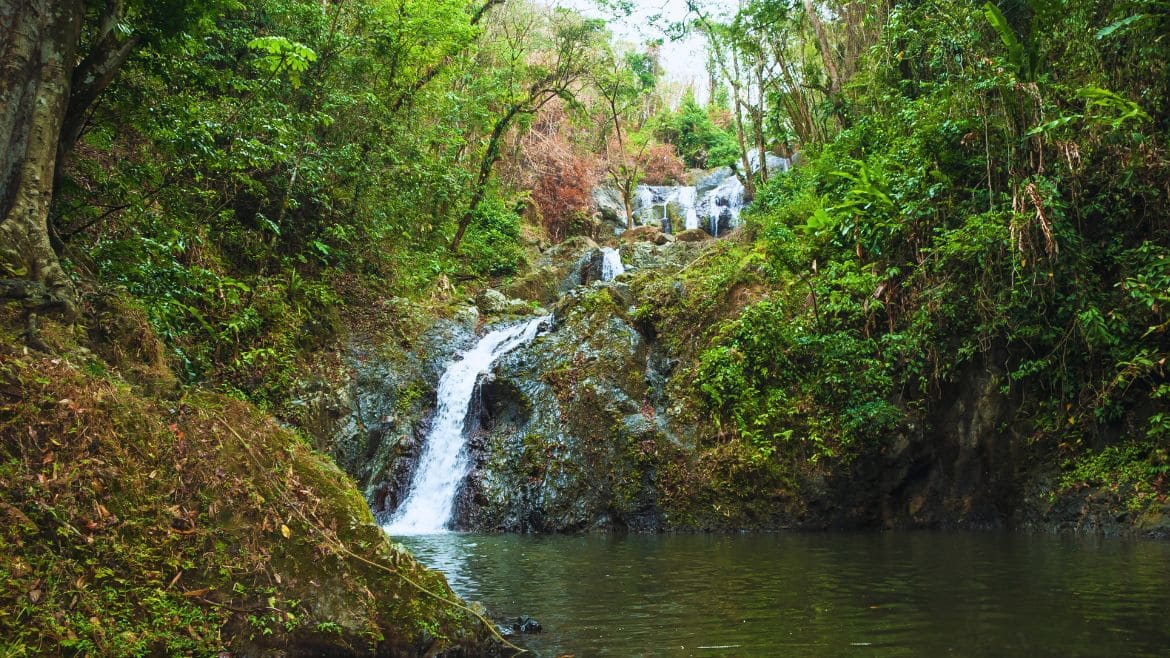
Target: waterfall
714,203
686,198
611,264
444,460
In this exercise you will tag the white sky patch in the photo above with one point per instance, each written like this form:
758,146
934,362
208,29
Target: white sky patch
684,62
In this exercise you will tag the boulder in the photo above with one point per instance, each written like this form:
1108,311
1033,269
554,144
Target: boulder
494,302
651,234
707,184
526,624
608,203
555,272
692,235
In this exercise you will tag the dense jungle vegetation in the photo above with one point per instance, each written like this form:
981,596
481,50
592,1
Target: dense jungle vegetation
206,197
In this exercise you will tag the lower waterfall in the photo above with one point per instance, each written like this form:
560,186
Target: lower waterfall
611,264
444,460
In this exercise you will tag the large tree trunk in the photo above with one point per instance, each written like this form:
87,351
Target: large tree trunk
37,60
626,194
828,55
490,156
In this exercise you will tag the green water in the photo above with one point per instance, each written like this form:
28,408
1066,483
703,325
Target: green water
897,594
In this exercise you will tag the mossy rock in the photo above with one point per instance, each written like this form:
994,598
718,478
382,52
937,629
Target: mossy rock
539,284
652,234
692,235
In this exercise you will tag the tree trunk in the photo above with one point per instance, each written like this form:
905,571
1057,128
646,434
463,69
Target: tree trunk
758,121
36,67
490,156
626,194
749,185
828,56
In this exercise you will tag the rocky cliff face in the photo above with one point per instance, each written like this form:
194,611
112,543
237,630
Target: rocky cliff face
375,421
599,423
564,432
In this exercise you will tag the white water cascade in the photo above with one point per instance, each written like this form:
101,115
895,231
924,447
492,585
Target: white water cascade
714,203
444,460
611,264
651,203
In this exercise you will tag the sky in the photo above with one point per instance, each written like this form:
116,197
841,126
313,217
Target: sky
684,62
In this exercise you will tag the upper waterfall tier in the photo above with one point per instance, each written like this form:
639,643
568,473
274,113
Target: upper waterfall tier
713,204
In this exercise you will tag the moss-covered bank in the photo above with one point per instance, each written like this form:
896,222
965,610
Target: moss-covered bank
189,525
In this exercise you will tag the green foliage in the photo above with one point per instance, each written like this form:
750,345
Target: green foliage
1021,59
1137,471
695,136
281,57
792,387
1152,18
1102,108
241,178
492,246
925,236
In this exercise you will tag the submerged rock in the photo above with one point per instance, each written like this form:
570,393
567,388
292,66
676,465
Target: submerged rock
526,624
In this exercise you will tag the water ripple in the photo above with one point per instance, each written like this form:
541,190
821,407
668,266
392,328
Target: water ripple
907,594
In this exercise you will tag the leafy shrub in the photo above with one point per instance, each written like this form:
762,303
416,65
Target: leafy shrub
787,386
492,246
697,139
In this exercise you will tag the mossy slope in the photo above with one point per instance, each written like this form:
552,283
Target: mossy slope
131,527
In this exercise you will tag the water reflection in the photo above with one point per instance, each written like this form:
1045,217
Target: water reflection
912,594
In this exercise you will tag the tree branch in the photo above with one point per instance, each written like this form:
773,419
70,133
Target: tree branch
438,66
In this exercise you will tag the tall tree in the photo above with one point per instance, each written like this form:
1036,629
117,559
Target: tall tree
726,56
622,83
56,58
37,63
550,53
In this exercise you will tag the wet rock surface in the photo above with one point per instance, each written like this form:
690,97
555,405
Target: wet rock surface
375,422
557,271
596,424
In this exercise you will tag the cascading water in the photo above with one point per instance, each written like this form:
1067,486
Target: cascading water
687,198
611,264
444,459
652,206
714,204
722,205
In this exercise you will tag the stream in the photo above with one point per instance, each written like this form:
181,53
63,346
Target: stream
817,594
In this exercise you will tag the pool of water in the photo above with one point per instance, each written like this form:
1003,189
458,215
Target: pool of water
893,594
